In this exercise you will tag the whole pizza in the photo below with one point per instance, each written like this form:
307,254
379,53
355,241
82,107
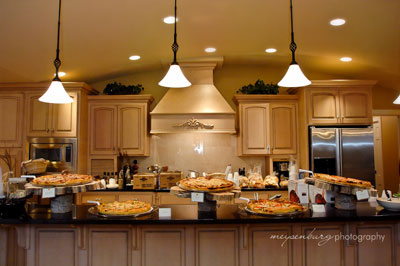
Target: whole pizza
345,181
129,207
206,184
276,206
62,180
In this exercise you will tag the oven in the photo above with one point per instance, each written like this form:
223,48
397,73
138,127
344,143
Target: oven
61,152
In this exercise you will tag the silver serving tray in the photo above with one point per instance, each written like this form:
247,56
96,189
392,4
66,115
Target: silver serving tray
342,189
289,214
94,211
205,191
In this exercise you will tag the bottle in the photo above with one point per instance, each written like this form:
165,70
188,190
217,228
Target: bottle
135,167
127,179
120,179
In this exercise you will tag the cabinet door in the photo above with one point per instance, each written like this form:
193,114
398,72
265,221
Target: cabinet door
38,116
64,118
355,106
323,106
16,159
132,130
103,129
254,127
283,126
11,114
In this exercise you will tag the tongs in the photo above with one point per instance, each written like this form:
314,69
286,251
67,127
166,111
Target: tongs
277,196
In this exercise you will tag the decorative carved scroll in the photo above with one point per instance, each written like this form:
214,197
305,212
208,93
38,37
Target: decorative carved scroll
194,124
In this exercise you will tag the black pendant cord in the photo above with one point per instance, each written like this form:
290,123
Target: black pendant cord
175,45
57,61
293,45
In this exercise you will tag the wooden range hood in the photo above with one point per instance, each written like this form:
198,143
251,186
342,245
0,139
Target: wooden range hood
198,108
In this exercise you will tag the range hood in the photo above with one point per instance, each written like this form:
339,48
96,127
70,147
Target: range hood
198,108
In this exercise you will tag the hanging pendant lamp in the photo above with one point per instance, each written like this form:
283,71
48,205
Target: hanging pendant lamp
397,101
174,77
56,92
294,77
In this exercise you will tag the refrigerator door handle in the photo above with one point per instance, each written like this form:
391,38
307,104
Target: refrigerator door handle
339,163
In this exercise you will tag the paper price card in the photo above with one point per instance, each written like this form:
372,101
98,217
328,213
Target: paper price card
362,195
164,212
197,196
48,193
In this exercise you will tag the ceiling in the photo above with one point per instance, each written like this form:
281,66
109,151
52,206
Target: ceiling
98,36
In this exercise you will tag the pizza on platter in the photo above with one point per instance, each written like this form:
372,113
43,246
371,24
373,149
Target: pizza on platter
276,206
128,207
206,184
340,180
62,180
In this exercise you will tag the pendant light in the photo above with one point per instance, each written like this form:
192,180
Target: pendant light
174,77
56,92
397,101
294,77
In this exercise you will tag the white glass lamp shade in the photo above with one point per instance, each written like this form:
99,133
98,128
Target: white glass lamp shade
397,101
56,94
294,77
174,78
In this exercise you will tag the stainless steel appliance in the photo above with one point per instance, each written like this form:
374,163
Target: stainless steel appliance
61,152
343,151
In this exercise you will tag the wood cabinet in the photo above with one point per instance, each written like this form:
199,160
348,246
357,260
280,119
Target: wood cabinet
51,120
339,103
16,158
267,124
11,119
119,124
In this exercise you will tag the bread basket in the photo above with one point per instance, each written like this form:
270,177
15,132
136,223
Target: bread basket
36,166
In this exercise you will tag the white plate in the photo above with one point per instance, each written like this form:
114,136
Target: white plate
393,205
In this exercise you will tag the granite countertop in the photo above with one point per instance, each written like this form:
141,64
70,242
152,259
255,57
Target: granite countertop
225,214
167,190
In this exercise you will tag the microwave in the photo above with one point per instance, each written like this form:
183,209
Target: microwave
61,152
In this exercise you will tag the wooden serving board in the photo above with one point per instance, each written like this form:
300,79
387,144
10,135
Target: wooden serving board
212,196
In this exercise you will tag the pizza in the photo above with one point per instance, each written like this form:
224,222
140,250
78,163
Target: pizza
340,180
276,206
128,207
62,180
206,184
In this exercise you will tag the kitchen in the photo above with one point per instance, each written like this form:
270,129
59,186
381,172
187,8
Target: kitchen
252,134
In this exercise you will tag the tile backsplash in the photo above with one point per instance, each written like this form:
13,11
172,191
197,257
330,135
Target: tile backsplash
200,152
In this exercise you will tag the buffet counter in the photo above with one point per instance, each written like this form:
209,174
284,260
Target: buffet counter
367,236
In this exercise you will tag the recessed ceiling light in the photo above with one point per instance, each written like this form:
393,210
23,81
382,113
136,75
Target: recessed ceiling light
210,50
270,50
337,22
170,20
346,59
134,57
61,74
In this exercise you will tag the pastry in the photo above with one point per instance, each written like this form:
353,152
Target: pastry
243,181
277,206
271,181
124,207
256,181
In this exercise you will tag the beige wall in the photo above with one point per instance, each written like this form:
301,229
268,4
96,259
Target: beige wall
230,77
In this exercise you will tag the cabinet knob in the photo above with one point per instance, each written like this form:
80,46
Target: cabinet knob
268,149
48,130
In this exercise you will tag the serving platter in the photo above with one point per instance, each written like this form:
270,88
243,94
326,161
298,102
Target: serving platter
62,185
289,214
94,211
205,191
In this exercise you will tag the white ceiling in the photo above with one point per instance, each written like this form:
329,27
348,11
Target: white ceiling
98,36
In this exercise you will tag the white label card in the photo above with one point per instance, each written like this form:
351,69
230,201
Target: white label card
197,196
48,193
164,212
318,207
362,195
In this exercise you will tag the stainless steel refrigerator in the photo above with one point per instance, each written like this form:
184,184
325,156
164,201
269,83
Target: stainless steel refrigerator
343,151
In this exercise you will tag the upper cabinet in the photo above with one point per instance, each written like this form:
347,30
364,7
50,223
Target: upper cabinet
51,120
339,102
11,117
267,124
119,124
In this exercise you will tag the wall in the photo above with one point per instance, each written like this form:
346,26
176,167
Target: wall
201,152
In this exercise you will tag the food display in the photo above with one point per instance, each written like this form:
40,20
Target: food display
130,207
206,184
256,181
284,183
243,181
62,180
271,181
273,207
344,181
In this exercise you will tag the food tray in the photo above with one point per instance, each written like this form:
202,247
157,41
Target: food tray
94,211
342,189
289,214
206,191
93,185
62,185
